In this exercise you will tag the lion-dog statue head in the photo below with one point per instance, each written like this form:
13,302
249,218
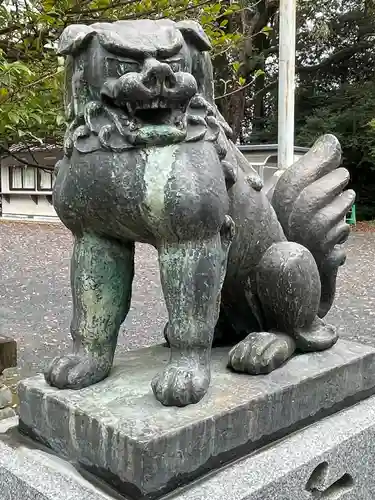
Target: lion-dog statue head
139,83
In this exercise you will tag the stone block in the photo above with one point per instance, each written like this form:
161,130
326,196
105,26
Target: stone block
332,459
119,431
29,473
8,353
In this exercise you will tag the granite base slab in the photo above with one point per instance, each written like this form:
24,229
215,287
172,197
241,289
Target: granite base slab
118,430
332,459
29,472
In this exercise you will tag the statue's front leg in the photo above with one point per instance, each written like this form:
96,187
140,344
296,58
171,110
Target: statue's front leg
287,283
101,278
191,276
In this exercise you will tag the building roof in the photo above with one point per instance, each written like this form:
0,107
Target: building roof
16,148
43,155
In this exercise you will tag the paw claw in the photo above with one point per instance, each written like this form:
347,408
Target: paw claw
76,372
181,385
261,353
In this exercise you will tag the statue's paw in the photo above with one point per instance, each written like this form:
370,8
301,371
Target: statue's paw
261,352
318,337
181,384
75,372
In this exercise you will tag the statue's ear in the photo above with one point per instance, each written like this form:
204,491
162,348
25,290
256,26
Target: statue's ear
203,73
194,33
74,39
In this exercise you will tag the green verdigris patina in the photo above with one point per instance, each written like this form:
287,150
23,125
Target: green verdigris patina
148,158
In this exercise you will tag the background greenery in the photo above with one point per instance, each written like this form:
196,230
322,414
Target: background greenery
335,70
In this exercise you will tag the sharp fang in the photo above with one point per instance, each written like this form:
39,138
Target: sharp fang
155,103
133,126
129,108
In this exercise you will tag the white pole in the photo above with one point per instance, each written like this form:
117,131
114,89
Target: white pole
287,55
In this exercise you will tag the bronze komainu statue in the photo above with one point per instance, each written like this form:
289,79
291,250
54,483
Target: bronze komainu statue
148,158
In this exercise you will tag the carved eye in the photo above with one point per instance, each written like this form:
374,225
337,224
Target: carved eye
117,68
124,67
175,66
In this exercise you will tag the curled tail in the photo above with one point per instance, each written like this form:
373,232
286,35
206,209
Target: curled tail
311,203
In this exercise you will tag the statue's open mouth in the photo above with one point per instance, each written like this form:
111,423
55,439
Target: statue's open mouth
156,120
152,115
156,112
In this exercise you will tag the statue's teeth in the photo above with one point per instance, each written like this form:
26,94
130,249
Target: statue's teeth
155,103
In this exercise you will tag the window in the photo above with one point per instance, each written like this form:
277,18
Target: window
45,180
30,179
22,178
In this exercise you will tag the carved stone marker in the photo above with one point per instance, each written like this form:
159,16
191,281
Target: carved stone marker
148,158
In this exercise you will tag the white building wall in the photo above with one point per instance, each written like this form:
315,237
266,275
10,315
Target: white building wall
22,204
4,180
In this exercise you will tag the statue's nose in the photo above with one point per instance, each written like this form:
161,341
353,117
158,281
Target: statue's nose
157,74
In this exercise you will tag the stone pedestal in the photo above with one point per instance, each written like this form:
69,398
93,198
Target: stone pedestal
120,432
332,459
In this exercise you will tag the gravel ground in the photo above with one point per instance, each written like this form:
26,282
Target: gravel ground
35,299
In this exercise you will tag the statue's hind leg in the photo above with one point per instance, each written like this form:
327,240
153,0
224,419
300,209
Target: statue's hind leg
101,278
191,274
287,283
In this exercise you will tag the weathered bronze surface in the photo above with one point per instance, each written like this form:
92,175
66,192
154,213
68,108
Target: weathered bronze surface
148,158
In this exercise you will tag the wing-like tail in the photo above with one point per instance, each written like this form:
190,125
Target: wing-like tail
311,203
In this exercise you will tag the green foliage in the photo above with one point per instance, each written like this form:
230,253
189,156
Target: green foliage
335,91
348,113
30,101
30,75
338,94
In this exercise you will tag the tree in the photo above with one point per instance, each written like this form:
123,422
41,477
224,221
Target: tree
334,94
30,82
334,45
31,76
246,60
347,113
